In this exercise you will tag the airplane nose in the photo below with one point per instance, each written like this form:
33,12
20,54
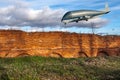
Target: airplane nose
62,19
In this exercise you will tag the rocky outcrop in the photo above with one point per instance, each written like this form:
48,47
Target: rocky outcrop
15,43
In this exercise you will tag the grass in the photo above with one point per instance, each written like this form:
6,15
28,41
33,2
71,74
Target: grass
42,68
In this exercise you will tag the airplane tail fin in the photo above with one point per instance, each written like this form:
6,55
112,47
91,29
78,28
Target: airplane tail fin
107,8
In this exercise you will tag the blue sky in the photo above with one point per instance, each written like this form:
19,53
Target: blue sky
36,15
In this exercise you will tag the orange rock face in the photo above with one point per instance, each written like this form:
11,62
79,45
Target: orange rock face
15,43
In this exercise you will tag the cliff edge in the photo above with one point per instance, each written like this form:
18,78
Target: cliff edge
15,43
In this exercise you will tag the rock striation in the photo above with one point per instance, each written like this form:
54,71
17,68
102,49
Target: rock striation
16,43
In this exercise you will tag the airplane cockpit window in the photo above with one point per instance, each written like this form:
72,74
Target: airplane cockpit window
67,15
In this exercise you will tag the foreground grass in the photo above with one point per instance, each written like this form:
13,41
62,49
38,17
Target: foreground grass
40,68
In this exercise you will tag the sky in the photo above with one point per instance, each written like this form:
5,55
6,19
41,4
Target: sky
45,15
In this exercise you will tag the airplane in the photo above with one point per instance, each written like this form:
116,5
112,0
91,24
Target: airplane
79,15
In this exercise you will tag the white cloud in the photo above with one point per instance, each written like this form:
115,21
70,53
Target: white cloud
10,27
21,15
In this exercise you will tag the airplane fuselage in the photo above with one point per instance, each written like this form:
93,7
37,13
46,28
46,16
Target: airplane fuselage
75,16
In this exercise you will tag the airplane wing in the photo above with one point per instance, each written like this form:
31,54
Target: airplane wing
80,18
96,16
74,20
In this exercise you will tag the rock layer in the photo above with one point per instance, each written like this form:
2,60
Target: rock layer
15,43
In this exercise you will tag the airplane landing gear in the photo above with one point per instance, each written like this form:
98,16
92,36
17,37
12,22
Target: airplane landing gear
86,19
65,23
76,21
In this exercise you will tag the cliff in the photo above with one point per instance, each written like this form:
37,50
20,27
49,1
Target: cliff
15,43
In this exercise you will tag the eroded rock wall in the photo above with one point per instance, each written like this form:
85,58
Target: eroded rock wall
15,43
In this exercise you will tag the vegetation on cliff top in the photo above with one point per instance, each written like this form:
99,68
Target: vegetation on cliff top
41,68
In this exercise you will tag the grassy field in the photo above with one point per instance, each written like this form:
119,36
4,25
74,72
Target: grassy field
41,68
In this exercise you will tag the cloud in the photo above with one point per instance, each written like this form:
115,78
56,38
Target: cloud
35,3
21,15
10,28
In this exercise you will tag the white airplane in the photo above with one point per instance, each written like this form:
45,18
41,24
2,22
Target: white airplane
78,15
